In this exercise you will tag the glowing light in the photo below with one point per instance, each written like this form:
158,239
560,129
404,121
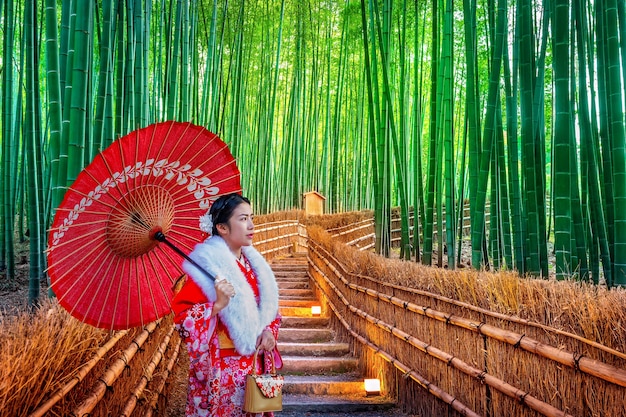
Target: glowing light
372,387
316,310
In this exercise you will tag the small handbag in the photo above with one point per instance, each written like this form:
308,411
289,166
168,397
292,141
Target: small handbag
263,392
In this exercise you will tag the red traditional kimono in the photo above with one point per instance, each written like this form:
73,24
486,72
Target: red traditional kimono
217,371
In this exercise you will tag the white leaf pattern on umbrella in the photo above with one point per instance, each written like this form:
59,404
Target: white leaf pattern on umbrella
103,238
142,169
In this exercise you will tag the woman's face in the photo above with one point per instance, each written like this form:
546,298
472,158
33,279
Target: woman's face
239,230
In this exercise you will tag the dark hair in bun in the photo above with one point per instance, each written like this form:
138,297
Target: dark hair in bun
222,209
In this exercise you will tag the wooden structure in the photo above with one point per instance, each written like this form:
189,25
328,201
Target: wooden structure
313,203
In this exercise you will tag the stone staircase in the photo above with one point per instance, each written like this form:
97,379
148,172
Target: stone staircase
320,373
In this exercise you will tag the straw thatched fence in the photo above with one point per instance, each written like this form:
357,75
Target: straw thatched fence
53,365
440,356
442,342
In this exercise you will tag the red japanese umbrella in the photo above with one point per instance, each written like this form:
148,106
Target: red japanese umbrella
115,246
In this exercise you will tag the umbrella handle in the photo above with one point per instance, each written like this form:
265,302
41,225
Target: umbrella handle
160,236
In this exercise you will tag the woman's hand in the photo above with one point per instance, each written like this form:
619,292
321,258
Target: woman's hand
266,341
224,291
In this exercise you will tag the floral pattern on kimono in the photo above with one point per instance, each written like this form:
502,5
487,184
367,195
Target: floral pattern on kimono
216,376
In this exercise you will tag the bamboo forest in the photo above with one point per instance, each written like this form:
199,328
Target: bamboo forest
514,109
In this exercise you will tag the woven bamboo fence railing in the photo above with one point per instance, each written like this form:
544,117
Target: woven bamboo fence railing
280,238
362,236
467,361
114,381
130,373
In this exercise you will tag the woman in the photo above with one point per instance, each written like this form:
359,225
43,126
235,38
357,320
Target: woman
224,322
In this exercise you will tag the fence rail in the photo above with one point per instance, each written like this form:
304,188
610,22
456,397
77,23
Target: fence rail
490,363
145,357
362,236
461,359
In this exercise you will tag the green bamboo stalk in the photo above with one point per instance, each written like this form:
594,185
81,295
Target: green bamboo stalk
137,54
448,134
77,129
208,85
174,63
103,129
32,140
68,21
55,106
478,222
472,102
418,118
335,122
515,203
9,141
589,150
237,99
432,150
561,140
372,116
405,246
615,90
185,103
528,116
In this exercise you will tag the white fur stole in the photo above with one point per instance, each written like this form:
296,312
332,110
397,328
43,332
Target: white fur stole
243,318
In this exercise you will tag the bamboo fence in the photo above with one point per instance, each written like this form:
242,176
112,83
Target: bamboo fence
128,373
361,234
491,363
435,352
115,379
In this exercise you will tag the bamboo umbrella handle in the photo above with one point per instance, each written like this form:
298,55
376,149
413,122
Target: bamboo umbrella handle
160,236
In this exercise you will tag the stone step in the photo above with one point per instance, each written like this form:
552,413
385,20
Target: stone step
295,335
292,275
298,303
282,267
299,267
294,285
299,256
328,349
314,365
335,405
343,384
290,293
291,279
307,321
295,311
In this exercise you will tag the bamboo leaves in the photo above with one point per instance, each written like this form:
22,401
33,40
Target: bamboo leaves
365,102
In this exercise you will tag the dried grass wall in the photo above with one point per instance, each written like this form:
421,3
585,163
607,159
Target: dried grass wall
443,342
492,344
51,364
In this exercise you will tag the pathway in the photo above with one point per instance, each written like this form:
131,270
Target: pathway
320,373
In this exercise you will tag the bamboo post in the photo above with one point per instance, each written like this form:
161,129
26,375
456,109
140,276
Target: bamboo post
161,387
113,372
147,375
80,375
507,389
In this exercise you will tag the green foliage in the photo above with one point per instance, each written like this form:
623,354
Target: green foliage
374,104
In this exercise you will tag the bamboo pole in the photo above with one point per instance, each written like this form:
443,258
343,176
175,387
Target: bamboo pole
471,307
586,365
159,390
114,371
80,375
423,382
147,375
505,388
